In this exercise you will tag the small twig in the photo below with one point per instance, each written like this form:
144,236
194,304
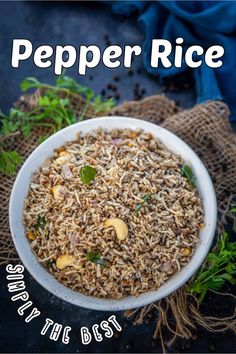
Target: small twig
11,135
223,294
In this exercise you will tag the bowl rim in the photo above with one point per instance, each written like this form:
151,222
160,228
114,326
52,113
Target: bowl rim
45,279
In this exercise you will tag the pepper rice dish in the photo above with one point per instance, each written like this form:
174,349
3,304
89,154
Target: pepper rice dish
113,213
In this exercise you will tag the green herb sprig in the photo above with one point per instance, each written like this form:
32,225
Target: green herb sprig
145,198
53,112
69,86
220,267
40,224
95,257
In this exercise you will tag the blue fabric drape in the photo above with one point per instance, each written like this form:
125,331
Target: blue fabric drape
198,22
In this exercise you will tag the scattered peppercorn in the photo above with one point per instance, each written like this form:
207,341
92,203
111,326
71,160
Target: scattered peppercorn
107,40
116,78
117,96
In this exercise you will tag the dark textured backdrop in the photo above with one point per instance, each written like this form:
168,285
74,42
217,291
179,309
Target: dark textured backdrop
79,23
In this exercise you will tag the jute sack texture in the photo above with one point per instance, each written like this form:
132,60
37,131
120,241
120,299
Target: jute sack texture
207,130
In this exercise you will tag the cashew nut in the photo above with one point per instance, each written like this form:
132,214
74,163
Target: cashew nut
46,163
64,261
119,226
31,236
64,156
186,251
67,260
59,191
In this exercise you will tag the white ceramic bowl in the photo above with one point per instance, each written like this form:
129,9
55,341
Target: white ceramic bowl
45,150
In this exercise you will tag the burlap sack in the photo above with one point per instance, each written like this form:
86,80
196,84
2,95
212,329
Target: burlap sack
207,130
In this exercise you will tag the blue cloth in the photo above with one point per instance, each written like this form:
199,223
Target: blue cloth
199,22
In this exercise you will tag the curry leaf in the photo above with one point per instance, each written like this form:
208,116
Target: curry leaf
186,171
95,257
87,174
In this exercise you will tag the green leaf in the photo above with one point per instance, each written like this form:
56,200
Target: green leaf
8,127
45,101
231,246
187,172
73,86
43,138
202,293
9,161
28,83
144,200
233,208
87,174
11,123
26,129
95,257
215,283
41,223
213,258
231,268
16,113
100,105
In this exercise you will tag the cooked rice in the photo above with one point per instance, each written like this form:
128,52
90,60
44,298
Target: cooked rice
129,164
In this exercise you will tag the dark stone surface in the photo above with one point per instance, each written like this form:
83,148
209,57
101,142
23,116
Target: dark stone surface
72,23
78,23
